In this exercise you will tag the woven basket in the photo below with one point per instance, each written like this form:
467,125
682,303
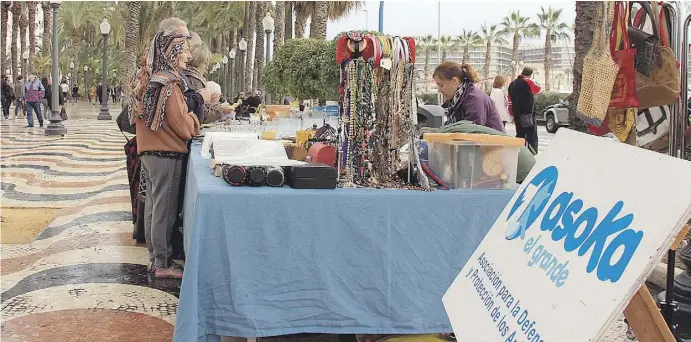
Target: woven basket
599,71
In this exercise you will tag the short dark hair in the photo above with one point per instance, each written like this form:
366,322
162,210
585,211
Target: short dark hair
20,77
527,71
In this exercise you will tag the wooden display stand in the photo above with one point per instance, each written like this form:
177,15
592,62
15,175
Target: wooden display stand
643,315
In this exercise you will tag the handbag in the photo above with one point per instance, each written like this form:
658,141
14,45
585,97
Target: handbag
63,114
652,124
599,72
624,91
662,87
621,122
647,45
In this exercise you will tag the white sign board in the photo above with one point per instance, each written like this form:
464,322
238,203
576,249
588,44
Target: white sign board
573,245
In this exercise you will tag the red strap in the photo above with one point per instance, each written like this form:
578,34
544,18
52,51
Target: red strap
663,24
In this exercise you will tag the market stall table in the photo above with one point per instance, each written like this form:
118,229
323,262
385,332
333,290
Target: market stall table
275,261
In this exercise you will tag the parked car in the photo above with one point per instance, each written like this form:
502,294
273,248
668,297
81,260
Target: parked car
555,116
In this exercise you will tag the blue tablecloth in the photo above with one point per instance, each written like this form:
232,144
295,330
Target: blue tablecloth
274,261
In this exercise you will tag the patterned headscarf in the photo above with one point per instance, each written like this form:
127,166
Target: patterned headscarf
162,60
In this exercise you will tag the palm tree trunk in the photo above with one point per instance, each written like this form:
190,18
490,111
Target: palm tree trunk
279,34
250,45
16,12
32,32
289,17
5,7
131,39
514,52
586,12
46,49
300,24
548,59
259,50
319,20
488,59
23,33
466,53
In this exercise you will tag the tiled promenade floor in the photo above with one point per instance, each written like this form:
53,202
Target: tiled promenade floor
83,278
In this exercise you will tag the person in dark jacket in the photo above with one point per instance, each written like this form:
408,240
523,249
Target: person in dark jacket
522,91
7,97
48,98
465,100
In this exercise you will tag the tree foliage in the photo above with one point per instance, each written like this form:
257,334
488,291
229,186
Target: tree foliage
305,69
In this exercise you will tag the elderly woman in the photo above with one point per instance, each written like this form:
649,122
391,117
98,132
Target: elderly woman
457,82
194,72
164,126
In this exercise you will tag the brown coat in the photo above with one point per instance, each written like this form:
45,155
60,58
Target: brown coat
179,126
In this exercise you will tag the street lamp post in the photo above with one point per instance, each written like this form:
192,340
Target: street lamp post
223,73
242,45
86,82
55,127
72,77
268,24
25,58
103,113
229,76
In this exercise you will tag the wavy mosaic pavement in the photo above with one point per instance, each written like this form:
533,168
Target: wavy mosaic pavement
84,278
84,272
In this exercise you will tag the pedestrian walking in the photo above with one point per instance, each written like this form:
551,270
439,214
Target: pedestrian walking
19,97
6,96
34,92
522,93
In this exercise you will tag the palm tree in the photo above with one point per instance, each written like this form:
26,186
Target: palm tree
306,9
466,40
23,31
302,13
554,29
251,22
583,33
132,39
259,49
5,29
46,48
446,43
32,31
320,18
428,44
490,35
16,13
289,17
518,27
279,34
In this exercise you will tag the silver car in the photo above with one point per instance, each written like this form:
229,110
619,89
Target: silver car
556,115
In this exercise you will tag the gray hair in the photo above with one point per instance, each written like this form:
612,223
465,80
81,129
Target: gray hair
170,25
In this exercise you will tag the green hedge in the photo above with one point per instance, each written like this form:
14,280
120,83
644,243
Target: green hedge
546,99
429,98
304,69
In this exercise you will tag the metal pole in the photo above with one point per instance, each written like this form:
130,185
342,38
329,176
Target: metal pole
231,79
72,77
440,98
55,127
242,72
381,16
104,114
267,96
86,85
24,71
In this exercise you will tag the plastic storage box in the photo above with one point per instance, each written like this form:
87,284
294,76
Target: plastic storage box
474,161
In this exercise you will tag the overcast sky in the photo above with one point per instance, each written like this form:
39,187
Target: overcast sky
419,18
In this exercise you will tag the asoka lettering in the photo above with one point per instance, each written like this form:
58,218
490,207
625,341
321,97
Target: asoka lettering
610,241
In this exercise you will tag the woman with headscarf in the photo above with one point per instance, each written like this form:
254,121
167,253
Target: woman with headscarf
163,127
194,72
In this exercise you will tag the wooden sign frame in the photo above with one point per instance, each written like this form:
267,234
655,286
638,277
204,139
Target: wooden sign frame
642,313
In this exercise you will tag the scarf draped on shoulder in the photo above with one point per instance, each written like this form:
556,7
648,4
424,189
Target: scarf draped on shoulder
162,60
455,103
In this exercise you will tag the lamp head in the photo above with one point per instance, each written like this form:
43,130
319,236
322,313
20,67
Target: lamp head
225,59
25,55
268,23
231,54
242,45
105,27
86,68
71,65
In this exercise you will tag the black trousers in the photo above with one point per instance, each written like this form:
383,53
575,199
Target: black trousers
530,136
